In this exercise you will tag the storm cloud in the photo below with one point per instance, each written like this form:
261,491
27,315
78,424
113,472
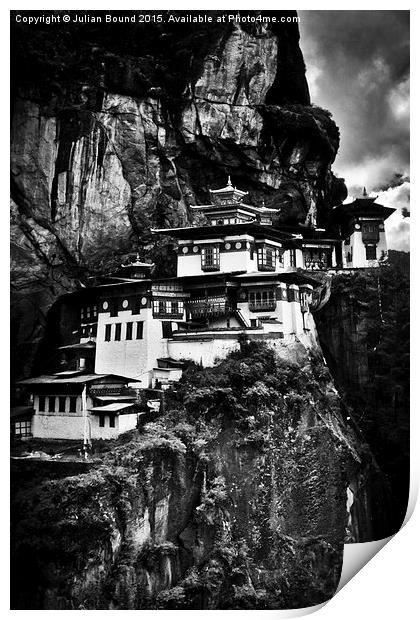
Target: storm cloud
358,68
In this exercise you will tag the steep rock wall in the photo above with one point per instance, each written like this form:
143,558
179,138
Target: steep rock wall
236,498
120,128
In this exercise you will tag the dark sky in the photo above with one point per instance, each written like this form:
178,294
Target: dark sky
358,68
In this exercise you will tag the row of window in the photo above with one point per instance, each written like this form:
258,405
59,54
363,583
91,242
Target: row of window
262,300
88,312
168,307
50,404
89,331
370,228
102,420
371,253
210,257
133,331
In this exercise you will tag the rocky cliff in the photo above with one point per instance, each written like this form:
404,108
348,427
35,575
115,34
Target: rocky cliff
365,337
120,127
239,497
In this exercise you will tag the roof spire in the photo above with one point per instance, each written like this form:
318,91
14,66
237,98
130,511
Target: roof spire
364,191
229,181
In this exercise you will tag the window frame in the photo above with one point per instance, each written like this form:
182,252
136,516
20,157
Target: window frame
266,257
371,249
210,257
139,330
22,424
108,332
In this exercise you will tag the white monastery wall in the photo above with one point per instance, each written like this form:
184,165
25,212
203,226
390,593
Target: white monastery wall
204,352
129,358
58,426
358,249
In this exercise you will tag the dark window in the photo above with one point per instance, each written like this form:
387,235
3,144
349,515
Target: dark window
73,404
108,332
114,307
117,331
166,329
129,331
254,323
62,404
101,420
371,252
41,403
293,258
139,330
51,403
112,420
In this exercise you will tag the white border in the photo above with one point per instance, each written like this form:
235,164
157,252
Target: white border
387,586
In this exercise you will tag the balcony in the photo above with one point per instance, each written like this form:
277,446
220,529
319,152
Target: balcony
168,310
266,266
206,308
262,306
168,315
211,266
315,265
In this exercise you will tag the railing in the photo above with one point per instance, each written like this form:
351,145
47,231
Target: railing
167,315
208,308
257,306
315,264
167,287
211,267
266,267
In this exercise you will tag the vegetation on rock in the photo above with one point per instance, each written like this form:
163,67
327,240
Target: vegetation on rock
235,498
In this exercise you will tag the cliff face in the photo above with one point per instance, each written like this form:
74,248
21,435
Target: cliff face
235,499
119,128
364,334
